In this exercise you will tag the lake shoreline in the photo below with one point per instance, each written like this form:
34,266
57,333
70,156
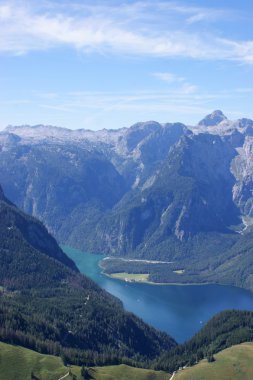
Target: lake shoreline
111,275
147,282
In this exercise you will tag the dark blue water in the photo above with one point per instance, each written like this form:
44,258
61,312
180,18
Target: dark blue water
179,310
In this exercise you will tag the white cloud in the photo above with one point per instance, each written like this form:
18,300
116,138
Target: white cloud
243,50
162,29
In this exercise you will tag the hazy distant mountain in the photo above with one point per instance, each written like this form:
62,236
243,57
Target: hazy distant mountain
214,118
163,191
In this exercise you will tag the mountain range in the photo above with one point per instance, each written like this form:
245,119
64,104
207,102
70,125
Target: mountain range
169,192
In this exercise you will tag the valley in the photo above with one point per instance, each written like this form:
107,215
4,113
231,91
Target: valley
47,305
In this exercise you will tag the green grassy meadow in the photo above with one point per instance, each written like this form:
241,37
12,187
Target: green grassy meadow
234,363
18,363
124,372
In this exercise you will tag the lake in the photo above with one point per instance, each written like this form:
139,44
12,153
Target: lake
179,310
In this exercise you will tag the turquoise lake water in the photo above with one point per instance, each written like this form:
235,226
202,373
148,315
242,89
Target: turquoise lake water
179,310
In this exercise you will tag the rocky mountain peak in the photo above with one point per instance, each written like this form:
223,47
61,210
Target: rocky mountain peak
213,118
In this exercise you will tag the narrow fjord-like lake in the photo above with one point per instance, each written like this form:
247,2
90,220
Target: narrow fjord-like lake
179,310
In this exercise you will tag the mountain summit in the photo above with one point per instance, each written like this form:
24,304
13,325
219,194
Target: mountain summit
213,118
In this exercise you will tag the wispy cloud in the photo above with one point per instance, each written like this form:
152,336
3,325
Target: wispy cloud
96,106
197,13
180,84
149,101
168,77
161,29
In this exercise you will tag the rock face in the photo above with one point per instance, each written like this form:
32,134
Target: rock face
59,183
148,190
191,193
242,168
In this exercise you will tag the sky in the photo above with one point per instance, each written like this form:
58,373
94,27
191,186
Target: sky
109,64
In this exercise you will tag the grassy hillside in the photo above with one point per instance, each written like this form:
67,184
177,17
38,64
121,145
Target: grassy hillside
19,363
233,363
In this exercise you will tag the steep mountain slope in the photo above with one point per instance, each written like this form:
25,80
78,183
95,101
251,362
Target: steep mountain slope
242,168
61,185
22,237
189,195
47,305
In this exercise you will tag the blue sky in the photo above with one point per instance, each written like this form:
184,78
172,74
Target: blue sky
109,64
